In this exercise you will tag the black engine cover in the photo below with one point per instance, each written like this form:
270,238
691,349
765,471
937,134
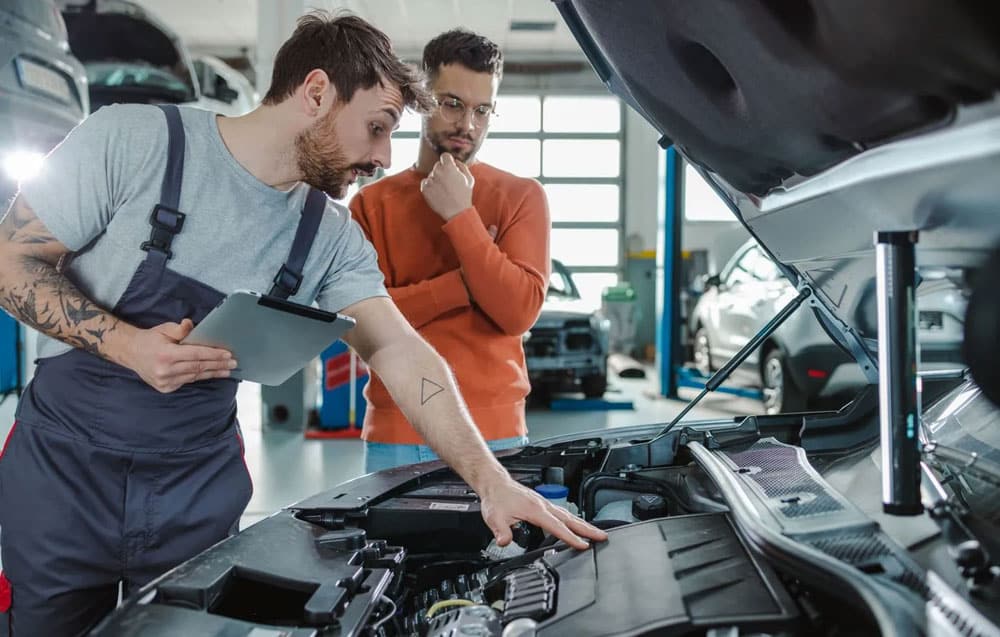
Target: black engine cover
669,575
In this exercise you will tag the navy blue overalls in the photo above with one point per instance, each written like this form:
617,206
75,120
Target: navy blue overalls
104,479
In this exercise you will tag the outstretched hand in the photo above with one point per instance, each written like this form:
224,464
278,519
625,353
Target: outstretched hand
508,502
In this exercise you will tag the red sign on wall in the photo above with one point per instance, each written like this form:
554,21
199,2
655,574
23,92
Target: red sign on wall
338,371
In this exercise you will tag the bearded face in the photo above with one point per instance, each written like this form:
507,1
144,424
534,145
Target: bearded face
322,160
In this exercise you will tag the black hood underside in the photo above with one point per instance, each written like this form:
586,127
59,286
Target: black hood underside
761,90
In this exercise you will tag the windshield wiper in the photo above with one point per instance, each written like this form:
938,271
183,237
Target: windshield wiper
970,556
963,462
727,370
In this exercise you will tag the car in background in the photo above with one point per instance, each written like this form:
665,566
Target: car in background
131,56
567,349
43,89
230,91
800,363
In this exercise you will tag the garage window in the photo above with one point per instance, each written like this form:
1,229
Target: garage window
572,144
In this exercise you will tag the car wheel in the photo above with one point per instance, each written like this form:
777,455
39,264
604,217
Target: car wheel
702,352
780,393
594,386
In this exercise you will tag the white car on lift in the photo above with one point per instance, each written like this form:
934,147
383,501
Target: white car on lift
131,56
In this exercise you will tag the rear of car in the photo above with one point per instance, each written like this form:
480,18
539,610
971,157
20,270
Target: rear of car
43,88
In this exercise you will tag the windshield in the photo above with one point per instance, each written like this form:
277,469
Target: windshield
561,284
967,425
137,78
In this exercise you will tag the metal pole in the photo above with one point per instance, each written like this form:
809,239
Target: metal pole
895,267
669,333
352,400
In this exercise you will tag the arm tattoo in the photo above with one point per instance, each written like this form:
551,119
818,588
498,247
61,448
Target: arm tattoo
429,389
35,292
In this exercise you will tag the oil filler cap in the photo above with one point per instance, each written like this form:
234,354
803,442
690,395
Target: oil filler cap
342,540
648,506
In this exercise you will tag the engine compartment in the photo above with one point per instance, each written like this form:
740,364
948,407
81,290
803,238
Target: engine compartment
405,552
720,528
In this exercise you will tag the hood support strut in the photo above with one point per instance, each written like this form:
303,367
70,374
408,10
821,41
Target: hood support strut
720,376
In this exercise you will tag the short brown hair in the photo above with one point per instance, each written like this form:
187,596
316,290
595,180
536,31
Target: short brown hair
474,52
354,55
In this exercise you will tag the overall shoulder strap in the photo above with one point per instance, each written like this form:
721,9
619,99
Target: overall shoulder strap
289,277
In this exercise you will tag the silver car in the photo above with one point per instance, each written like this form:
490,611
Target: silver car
800,363
43,88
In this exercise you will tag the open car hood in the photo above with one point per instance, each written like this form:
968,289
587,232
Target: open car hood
820,123
109,33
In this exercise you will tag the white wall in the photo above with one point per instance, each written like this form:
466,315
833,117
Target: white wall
719,239
275,22
641,183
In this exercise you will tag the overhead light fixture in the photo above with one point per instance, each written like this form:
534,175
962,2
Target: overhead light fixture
532,25
22,165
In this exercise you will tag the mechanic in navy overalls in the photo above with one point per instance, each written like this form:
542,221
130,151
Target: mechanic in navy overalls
126,457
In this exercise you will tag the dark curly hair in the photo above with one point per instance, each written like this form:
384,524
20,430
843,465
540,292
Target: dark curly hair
353,53
475,52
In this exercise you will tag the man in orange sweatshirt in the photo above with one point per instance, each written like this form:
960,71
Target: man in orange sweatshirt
464,248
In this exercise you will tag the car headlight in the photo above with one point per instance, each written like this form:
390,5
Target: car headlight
599,323
22,165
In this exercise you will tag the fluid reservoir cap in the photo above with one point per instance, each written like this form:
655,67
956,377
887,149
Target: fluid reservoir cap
342,540
552,491
648,506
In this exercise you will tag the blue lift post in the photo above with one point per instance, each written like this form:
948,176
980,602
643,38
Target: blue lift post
10,355
668,336
673,374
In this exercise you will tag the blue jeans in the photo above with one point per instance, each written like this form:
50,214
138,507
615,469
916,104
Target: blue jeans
381,455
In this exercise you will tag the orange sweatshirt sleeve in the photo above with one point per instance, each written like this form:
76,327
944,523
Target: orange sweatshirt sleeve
420,302
508,277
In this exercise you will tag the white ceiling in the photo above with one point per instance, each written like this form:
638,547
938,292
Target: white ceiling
227,25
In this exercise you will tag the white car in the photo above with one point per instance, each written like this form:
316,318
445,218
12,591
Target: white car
224,89
800,363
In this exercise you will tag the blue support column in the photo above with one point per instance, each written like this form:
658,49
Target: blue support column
668,336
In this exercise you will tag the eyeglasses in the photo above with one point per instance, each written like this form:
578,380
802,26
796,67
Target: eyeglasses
453,110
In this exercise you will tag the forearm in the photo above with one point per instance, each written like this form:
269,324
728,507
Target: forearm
423,302
509,293
425,391
508,289
36,293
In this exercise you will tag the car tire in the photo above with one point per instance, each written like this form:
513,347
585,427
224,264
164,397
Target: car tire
702,352
781,395
594,386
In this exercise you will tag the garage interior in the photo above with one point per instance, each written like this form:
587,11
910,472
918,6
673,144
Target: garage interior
659,280
549,98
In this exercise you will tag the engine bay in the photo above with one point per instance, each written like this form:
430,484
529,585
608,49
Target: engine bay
722,529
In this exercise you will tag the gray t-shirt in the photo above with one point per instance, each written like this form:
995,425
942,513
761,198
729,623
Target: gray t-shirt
98,188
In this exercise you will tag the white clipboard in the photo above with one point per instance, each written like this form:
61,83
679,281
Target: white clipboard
270,338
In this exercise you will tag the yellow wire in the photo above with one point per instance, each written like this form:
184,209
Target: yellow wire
448,603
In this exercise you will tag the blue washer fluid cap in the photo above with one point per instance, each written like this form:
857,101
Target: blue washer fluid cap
552,491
